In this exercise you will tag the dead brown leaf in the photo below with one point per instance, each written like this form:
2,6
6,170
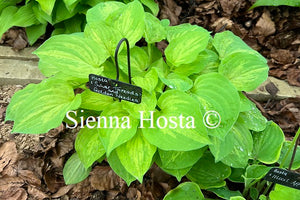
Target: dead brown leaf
14,194
265,26
54,180
231,6
62,191
8,155
104,178
293,76
82,190
29,177
10,183
282,56
170,10
36,193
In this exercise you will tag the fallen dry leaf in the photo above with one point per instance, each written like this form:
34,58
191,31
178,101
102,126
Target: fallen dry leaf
104,178
36,193
293,76
30,177
14,194
231,6
8,154
10,183
170,10
265,26
282,56
62,191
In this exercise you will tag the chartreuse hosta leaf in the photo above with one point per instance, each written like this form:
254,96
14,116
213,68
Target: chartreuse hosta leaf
187,190
206,59
147,105
140,152
115,163
154,31
73,55
88,146
4,4
71,4
208,174
295,3
12,16
152,5
268,143
234,150
39,108
185,45
176,81
255,172
94,101
138,61
283,192
284,150
225,193
178,125
116,127
47,6
227,43
253,118
148,82
180,159
245,74
218,97
74,170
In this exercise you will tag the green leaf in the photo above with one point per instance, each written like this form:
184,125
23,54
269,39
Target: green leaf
131,23
227,43
283,192
12,16
44,107
116,127
185,49
116,165
47,6
239,137
71,4
140,151
255,172
4,4
154,31
178,173
208,174
225,193
217,96
74,171
237,198
88,146
138,61
178,126
152,5
204,60
253,118
104,35
236,175
147,105
296,163
180,159
176,81
245,103
267,144
73,55
148,82
245,74
102,11
40,15
95,101
295,3
34,32
187,190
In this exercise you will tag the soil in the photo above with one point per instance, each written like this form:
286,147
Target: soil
31,165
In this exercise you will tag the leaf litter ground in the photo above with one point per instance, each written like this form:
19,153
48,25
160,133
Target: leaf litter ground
31,165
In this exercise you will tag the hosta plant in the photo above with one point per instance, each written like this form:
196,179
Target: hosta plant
66,16
194,119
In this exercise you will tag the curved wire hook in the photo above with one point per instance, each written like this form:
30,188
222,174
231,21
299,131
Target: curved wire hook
128,59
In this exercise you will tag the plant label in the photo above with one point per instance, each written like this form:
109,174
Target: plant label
114,88
284,177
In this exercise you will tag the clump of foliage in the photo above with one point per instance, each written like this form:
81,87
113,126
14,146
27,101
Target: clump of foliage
197,74
66,16
294,3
